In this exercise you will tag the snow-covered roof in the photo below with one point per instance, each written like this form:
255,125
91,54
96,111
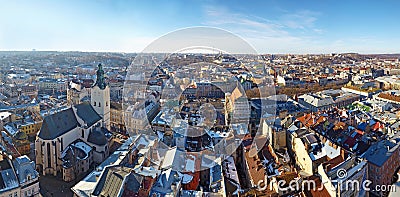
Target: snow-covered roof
4,115
10,129
168,158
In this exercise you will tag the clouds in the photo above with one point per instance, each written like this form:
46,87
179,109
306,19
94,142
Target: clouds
290,32
270,26
223,17
303,19
295,31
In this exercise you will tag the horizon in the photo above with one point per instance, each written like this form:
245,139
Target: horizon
76,51
272,27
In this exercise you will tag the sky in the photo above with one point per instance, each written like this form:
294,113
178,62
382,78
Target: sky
270,26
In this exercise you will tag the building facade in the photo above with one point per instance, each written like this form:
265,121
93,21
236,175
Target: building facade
100,97
85,124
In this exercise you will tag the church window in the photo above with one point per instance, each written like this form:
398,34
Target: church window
99,104
94,103
48,155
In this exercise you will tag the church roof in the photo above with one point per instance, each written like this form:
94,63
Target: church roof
98,136
64,121
58,124
86,112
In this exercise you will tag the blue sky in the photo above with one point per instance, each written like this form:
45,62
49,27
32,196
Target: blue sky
271,26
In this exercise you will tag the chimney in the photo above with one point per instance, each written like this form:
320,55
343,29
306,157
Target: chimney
328,167
343,153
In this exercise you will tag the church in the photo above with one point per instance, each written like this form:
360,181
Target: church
71,140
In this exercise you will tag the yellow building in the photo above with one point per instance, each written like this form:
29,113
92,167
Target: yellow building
30,128
117,118
20,141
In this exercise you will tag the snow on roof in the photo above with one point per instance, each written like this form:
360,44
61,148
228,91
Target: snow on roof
83,146
144,140
187,178
230,168
330,151
168,158
9,179
146,171
10,129
216,134
318,154
190,161
87,185
240,129
4,115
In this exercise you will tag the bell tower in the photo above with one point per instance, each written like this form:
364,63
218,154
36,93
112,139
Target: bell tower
100,97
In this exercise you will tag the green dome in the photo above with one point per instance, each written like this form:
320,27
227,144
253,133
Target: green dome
21,136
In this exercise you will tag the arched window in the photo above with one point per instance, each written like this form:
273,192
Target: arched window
94,104
48,155
99,104
83,133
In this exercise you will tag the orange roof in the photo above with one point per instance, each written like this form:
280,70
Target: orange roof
321,119
335,161
339,125
256,168
307,119
317,192
359,132
378,126
289,176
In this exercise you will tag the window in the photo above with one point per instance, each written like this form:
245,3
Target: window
99,104
106,103
94,103
83,133
48,155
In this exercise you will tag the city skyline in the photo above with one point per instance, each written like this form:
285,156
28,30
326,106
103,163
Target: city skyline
270,27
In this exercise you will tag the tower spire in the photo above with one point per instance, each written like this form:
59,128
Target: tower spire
100,81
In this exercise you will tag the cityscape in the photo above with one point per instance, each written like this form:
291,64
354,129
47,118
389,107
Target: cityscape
242,104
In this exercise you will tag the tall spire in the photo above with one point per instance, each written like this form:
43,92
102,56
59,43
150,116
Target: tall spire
100,82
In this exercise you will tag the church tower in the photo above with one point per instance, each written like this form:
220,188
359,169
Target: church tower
100,97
